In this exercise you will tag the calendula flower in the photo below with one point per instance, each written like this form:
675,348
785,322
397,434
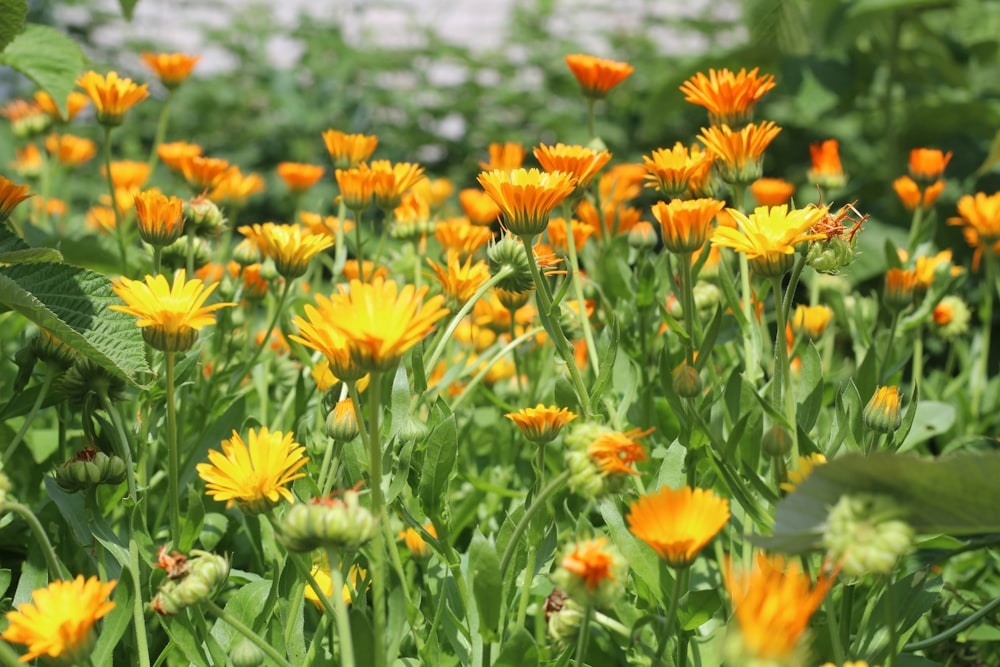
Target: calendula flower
559,230
415,541
462,236
112,95
254,473
11,194
883,414
128,175
581,162
900,285
290,246
357,186
349,150
70,150
803,468
769,235
298,176
170,316
507,156
772,191
597,76
541,423
686,224
811,321
321,573
160,218
981,215
591,571
671,170
527,196
170,68
75,103
926,267
913,197
677,524
772,603
391,181
363,271
927,165
478,206
738,153
826,168
203,173
730,98
460,281
325,224
59,621
610,221
600,458
27,161
342,421
950,318
173,154
234,187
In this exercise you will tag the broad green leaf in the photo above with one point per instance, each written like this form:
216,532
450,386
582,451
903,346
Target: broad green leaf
439,466
12,13
607,364
193,519
72,304
519,650
484,566
400,400
47,57
930,418
809,387
696,607
185,637
30,255
5,580
114,625
245,605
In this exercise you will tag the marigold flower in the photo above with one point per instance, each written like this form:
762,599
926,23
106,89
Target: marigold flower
173,154
617,453
883,414
415,541
671,170
926,267
321,573
298,176
357,185
391,181
101,219
255,287
951,317
169,316
527,197
739,153
804,467
730,98
811,321
112,95
981,215
342,421
826,168
290,246
507,157
581,162
11,194
70,150
900,285
611,221
460,281
591,570
478,206
203,173
772,603
170,68
597,76
686,224
363,271
677,524
849,663
349,150
559,230
234,187
128,175
325,224
75,103
27,161
160,218
59,621
913,197
927,164
461,235
769,235
772,191
541,424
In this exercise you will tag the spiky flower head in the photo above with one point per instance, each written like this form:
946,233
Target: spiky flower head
600,458
827,171
330,523
507,253
460,281
686,224
526,197
349,150
291,247
672,170
591,571
866,534
171,68
739,152
581,162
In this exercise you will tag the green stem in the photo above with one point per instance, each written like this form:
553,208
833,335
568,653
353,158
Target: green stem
55,570
486,366
891,625
915,223
278,310
583,636
986,320
235,623
574,261
50,376
522,525
342,618
675,599
173,453
846,614
833,629
379,546
590,120
966,622
125,449
917,370
883,365
161,131
687,304
782,370
119,227
8,657
138,608
357,242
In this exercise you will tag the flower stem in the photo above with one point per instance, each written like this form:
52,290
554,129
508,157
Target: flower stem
50,376
161,131
986,320
583,636
522,525
782,370
915,223
125,450
235,623
138,608
590,118
574,261
55,570
378,552
173,454
891,624
342,618
687,303
119,227
278,310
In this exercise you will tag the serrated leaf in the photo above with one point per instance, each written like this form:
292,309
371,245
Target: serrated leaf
72,304
47,57
12,13
439,466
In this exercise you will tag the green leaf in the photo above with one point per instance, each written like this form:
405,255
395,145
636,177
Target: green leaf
930,418
519,650
607,364
485,571
12,13
30,255
114,625
400,400
696,607
439,466
72,304
47,57
128,8
194,517
5,580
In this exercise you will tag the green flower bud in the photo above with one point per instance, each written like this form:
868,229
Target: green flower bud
206,572
85,377
328,523
950,318
642,236
777,441
508,251
341,422
246,253
175,255
592,571
883,414
865,533
412,430
52,350
687,382
830,256
203,216
89,468
564,623
246,654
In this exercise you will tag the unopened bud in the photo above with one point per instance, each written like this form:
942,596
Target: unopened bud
329,523
865,533
508,251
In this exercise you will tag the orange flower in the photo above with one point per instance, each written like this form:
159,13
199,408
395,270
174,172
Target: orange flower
70,150
671,170
597,76
910,193
772,191
461,235
298,176
112,96
579,161
542,423
325,224
981,215
478,206
612,220
349,150
559,231
730,98
101,218
506,156
415,542
926,267
739,153
391,181
591,562
460,281
621,183
677,524
927,164
11,195
28,161
290,246
174,153
357,186
686,223
160,218
826,168
75,103
899,287
352,270
203,173
234,187
527,197
128,174
617,453
171,68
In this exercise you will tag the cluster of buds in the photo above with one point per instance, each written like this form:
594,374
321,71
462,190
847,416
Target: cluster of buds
592,572
563,616
600,459
189,580
85,377
330,523
835,250
865,534
88,469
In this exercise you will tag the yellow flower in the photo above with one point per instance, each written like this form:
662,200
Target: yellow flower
686,224
349,150
171,68
462,236
883,414
912,196
174,153
253,474
203,173
541,423
11,195
677,524
527,196
59,621
772,191
325,224
317,332
478,206
926,267
460,281
391,181
672,170
169,316
27,161
739,153
299,177
803,468
811,321
234,187
597,76
927,164
290,246
357,185
581,162
730,98
322,575
112,95
160,218
415,541
508,156
772,603
70,150
826,168
769,235
981,215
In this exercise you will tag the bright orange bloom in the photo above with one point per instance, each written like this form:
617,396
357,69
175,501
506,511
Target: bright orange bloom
739,152
234,187
910,193
507,156
325,224
101,218
804,467
160,218
527,196
616,453
597,76
773,603
204,173
899,287
478,206
70,150
677,524
291,247
391,181
75,103
926,267
352,270
686,224
772,191
174,154
170,68
980,214
112,96
612,220
128,175
591,562
415,542
349,150
52,206
357,185
621,183
579,161
28,160
541,423
298,176
559,231
671,170
927,164
11,195
826,168
730,98
460,281
461,235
